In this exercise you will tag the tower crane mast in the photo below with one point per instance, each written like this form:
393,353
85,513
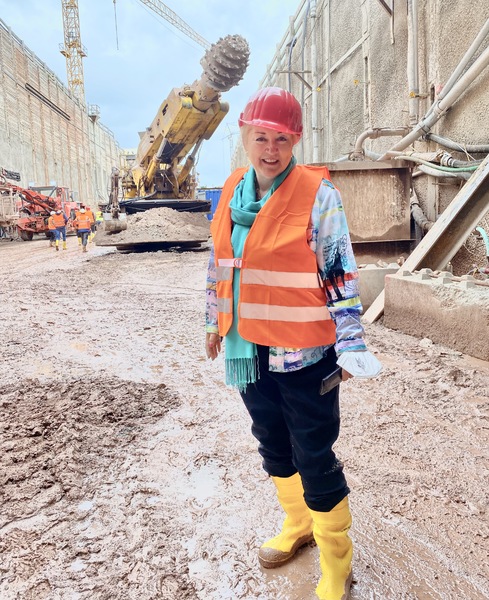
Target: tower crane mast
72,48
74,51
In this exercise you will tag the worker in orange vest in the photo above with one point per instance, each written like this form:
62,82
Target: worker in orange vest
75,223
91,216
52,229
83,226
282,288
60,220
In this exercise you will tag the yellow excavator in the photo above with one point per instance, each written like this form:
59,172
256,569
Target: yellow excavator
162,173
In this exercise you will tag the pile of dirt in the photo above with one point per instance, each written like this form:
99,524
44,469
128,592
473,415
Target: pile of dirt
159,225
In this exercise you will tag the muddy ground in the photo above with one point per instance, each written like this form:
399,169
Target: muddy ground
128,470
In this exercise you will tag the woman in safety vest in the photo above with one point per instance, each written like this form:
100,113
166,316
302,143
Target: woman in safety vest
282,289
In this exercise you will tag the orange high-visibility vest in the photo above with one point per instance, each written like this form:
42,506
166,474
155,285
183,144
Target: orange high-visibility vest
282,301
83,222
51,225
59,220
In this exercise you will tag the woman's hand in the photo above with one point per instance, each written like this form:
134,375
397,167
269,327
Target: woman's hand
345,375
212,345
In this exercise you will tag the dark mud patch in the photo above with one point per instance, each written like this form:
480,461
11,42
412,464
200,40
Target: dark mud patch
62,447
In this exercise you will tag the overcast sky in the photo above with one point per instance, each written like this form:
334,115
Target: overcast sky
128,75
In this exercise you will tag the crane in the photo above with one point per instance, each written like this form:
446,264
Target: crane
165,12
72,48
74,51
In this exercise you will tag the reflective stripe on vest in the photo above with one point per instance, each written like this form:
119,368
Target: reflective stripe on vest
289,314
281,278
225,305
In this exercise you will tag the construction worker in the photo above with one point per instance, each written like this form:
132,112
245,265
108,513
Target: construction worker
99,218
282,288
60,220
83,226
75,221
91,216
51,229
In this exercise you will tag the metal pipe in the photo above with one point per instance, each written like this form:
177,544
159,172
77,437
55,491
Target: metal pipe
420,169
451,145
441,106
485,237
462,64
447,160
358,152
421,161
315,85
418,215
465,175
413,62
303,68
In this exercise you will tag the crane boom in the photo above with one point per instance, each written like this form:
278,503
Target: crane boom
165,12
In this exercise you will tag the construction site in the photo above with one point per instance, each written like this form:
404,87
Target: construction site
128,468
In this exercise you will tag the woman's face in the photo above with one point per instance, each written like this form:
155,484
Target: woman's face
269,151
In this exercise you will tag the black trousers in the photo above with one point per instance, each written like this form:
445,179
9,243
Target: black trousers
296,428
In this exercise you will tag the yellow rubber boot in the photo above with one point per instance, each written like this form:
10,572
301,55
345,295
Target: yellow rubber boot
296,529
79,240
57,245
336,551
64,245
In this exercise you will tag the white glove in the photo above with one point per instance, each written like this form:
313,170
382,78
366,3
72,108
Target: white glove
360,364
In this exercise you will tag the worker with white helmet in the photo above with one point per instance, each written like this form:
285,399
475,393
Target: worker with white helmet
83,226
282,289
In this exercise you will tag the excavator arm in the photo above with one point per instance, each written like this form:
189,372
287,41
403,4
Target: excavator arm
47,203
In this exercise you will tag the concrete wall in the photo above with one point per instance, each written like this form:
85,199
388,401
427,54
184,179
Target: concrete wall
46,134
449,311
362,58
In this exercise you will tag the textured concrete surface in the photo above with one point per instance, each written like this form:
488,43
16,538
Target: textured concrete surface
372,281
453,311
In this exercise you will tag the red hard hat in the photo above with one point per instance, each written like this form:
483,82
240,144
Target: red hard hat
273,108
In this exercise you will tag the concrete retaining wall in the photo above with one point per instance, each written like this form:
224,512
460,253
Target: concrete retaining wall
46,134
450,311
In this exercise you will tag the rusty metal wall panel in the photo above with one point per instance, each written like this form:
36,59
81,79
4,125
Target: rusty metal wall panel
376,199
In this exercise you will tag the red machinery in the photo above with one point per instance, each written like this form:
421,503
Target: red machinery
34,208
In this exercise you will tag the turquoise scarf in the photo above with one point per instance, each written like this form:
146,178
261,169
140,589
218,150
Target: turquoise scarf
241,355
